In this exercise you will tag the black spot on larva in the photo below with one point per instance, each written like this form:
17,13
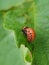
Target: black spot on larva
31,35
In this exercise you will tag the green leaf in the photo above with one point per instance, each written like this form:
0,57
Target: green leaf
35,16
6,4
18,18
9,53
28,56
41,46
41,54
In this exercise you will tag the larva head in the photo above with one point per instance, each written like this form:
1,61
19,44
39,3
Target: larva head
24,30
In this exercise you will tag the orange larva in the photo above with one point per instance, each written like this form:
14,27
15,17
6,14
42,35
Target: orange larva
30,33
